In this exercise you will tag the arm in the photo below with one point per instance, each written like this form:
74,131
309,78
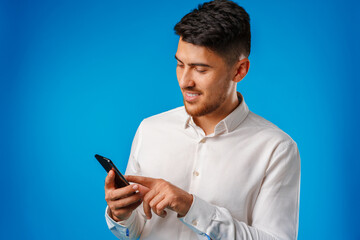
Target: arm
275,215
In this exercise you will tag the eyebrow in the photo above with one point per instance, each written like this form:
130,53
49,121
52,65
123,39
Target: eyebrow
194,64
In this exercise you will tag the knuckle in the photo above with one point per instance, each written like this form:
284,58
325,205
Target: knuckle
111,195
147,199
112,208
116,213
174,196
160,181
175,199
107,196
163,184
174,204
158,209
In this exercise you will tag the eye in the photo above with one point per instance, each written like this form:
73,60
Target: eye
180,65
200,70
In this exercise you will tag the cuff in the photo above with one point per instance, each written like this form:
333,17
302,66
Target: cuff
199,216
121,225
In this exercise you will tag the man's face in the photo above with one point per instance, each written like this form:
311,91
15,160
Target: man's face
204,79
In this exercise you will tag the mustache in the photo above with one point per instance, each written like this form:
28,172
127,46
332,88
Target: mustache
191,89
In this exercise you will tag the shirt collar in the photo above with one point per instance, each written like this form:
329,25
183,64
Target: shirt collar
231,122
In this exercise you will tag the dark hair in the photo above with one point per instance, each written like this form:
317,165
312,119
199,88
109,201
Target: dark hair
220,25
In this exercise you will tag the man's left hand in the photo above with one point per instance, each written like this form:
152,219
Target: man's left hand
163,195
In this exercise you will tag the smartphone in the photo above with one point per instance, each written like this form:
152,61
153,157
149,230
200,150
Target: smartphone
120,180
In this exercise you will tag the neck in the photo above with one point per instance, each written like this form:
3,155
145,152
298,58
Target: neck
209,121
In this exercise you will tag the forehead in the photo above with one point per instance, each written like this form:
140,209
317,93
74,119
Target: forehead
190,53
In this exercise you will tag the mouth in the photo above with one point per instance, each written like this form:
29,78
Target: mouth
191,96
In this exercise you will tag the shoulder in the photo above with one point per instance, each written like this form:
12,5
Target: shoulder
266,130
270,137
172,118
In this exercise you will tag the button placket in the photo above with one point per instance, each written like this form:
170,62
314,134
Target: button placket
200,148
198,159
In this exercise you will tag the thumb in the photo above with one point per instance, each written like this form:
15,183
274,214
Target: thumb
142,189
110,181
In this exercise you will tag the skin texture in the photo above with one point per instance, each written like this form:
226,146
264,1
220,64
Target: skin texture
203,72
163,195
208,86
122,201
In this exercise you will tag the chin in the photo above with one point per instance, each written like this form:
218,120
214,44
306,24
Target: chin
191,109
196,109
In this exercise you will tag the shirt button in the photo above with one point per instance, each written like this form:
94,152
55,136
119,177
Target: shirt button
196,173
194,222
203,140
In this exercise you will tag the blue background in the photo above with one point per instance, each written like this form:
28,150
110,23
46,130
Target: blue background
77,77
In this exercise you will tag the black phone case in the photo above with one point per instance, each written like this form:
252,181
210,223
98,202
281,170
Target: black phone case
107,164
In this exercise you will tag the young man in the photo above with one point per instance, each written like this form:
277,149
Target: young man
211,169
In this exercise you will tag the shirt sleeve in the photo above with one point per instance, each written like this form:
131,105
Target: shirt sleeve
127,229
132,227
275,214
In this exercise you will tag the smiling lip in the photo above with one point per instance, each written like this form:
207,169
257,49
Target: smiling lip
191,96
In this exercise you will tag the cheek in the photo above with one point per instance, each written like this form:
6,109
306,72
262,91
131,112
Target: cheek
209,82
178,73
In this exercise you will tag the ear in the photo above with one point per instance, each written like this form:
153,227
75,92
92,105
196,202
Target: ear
241,69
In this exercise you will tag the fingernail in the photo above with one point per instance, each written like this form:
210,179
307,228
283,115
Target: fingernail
135,187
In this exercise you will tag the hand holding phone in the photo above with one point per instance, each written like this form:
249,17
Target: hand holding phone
124,198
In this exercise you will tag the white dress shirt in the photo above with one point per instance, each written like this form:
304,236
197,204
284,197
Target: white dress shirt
245,178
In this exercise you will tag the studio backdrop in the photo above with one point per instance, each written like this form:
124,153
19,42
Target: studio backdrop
78,77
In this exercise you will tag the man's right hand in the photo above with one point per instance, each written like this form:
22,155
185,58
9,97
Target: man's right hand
122,201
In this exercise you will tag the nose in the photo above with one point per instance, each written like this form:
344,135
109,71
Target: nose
184,77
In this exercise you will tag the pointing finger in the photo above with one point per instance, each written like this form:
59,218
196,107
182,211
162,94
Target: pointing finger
145,181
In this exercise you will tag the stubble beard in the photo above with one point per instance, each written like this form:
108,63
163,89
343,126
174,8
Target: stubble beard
204,108
207,107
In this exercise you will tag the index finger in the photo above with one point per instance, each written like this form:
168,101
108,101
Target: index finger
145,181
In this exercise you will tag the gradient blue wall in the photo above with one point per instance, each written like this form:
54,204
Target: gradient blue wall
77,77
